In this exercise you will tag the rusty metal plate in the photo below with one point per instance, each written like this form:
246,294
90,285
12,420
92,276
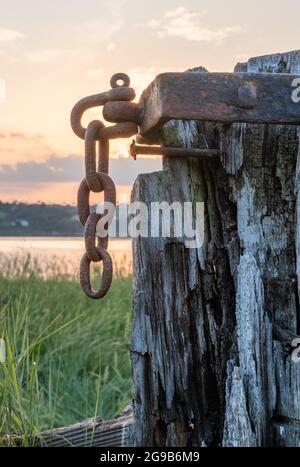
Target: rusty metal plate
220,97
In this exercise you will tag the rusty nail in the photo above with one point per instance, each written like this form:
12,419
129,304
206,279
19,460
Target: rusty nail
135,149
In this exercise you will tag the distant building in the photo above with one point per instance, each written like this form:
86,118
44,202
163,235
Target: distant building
23,222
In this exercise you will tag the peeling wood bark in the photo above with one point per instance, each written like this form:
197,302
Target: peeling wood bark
210,354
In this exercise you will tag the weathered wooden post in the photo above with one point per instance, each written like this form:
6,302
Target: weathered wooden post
213,327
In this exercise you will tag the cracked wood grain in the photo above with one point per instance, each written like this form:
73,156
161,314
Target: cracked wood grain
210,364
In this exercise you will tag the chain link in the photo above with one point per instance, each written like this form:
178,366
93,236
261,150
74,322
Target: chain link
90,156
97,136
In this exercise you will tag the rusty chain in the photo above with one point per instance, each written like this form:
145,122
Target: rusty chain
97,136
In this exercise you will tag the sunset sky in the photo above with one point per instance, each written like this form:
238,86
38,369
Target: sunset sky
52,53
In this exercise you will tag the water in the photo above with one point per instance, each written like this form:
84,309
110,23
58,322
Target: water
61,254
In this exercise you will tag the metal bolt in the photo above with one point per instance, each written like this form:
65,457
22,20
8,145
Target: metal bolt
204,154
248,96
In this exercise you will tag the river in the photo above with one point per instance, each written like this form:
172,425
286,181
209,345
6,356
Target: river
57,253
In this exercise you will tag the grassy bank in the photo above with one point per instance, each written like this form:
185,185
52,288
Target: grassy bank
67,356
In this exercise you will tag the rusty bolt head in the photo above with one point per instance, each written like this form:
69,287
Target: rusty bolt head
247,96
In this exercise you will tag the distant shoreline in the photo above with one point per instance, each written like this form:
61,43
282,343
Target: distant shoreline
41,220
41,235
57,236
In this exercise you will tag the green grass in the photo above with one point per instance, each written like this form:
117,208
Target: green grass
67,356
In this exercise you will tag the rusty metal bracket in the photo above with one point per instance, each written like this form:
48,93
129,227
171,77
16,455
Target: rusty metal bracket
217,97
